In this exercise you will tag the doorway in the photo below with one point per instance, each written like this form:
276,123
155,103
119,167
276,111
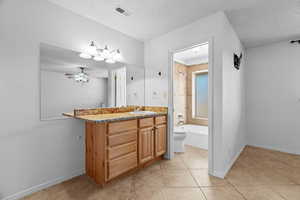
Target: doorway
190,105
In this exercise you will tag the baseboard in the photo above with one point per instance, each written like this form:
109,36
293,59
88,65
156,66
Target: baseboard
222,174
219,174
275,149
42,186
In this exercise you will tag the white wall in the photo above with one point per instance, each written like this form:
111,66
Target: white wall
273,92
34,152
135,89
157,59
234,102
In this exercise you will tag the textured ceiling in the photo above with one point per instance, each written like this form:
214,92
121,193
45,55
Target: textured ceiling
150,18
193,56
257,22
272,21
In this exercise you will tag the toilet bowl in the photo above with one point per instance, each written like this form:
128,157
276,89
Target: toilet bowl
179,136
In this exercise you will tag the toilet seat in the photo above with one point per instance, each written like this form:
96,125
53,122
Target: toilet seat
179,135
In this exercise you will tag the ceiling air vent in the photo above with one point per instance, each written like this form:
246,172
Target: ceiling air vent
122,11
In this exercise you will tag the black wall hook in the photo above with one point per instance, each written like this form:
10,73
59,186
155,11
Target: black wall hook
237,60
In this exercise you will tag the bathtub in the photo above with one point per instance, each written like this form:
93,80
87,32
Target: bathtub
197,135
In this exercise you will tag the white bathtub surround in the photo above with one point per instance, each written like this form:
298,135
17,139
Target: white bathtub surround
196,136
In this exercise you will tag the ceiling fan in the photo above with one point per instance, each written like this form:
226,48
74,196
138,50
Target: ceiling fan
81,77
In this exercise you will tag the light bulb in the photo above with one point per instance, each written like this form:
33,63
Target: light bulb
110,60
92,49
98,58
117,55
105,52
85,55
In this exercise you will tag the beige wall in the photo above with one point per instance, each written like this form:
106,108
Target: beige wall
183,92
180,91
190,70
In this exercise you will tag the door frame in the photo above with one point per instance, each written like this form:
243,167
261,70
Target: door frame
211,147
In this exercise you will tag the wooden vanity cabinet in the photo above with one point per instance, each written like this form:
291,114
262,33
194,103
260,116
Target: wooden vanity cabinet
160,139
152,138
146,145
121,148
114,148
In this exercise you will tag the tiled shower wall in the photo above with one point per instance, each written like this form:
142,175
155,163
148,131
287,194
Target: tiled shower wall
183,92
180,92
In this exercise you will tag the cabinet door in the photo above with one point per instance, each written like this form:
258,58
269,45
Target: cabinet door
160,139
146,144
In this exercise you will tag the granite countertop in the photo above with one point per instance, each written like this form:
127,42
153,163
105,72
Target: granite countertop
114,116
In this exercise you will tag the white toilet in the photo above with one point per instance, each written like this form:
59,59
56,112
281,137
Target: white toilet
179,136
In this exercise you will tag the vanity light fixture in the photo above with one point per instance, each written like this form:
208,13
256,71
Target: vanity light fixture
110,60
92,49
85,55
98,58
98,54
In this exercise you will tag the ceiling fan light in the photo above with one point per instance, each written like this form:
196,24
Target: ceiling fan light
85,55
81,77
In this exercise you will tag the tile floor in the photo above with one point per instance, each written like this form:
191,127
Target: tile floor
258,174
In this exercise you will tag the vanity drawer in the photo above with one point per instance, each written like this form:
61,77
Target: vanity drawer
161,120
146,122
121,165
121,150
117,127
122,138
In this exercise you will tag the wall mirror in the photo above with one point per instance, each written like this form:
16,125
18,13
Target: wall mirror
69,82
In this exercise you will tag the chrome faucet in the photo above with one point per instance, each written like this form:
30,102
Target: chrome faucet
137,109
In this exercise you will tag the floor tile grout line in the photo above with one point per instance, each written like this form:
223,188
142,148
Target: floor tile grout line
197,184
189,170
279,194
236,189
261,185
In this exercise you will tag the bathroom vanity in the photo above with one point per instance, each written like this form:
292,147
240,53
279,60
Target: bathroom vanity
119,141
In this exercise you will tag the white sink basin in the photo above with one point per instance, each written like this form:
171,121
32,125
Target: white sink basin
142,112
